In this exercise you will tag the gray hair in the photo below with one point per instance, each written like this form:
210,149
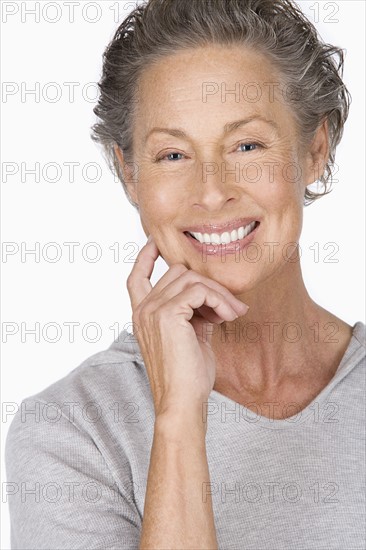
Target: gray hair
277,28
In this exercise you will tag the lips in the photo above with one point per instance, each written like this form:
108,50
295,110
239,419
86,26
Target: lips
220,250
216,237
215,227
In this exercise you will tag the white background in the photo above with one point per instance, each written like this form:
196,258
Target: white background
82,211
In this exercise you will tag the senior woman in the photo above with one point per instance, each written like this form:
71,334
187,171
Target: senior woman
247,425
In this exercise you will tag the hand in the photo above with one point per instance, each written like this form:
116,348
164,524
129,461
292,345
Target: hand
173,324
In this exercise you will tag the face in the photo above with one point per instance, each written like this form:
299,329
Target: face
203,169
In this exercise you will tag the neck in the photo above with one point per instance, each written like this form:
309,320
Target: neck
281,335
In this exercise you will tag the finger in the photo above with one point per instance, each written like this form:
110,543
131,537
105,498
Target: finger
138,282
203,329
198,295
208,314
169,277
189,277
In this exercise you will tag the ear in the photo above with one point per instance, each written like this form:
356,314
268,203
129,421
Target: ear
318,154
128,172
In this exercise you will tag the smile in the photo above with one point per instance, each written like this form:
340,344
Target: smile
225,237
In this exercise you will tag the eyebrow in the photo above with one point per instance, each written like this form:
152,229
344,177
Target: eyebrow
229,127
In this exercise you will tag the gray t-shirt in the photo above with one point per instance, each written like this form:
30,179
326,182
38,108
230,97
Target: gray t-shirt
77,459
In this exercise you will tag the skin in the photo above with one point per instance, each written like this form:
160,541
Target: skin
173,195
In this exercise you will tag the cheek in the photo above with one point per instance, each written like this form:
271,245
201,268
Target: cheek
159,203
279,184
155,200
161,190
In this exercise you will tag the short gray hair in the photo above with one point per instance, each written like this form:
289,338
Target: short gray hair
277,28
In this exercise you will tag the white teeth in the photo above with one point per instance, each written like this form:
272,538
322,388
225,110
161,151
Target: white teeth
226,237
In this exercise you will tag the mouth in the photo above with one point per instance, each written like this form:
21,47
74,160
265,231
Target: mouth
225,237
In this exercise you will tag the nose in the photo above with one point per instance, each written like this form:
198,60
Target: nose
214,185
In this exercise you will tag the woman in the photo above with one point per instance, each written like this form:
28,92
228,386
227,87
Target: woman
216,426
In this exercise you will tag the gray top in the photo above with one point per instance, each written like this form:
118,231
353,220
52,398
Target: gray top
77,458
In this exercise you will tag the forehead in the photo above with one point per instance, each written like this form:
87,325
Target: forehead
233,79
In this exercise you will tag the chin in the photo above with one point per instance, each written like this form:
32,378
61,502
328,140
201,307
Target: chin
237,283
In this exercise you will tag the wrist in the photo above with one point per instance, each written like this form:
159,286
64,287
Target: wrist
182,422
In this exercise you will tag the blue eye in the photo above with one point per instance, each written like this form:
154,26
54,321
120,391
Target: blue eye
249,145
174,153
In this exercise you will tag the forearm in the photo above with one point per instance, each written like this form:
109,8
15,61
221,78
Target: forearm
176,516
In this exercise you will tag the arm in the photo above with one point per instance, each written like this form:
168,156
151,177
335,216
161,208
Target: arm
60,491
172,323
175,514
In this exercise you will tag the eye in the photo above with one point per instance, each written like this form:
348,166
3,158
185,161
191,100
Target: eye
174,155
170,154
251,145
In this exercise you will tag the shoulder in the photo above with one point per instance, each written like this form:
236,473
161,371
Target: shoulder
359,334
116,373
67,462
85,403
355,355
